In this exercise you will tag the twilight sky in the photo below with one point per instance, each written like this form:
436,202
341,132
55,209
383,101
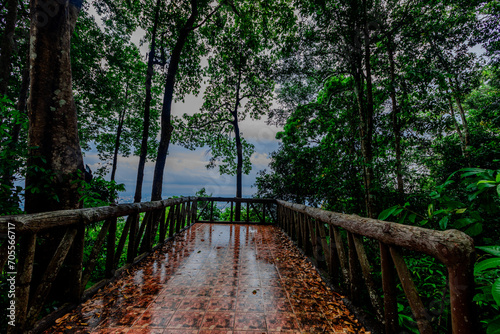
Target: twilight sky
185,171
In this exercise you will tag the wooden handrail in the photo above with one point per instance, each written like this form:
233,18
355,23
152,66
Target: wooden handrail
450,246
43,221
453,248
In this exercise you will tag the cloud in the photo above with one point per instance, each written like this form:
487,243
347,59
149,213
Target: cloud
260,160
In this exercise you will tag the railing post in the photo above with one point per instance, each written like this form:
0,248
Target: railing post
132,237
390,291
308,243
461,282
183,214
25,269
177,217
163,225
416,305
248,212
121,242
195,212
339,243
231,216
354,272
110,249
171,221
212,211
76,267
237,216
188,213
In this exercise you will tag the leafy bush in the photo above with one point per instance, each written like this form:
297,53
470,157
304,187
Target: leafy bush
472,207
487,273
100,192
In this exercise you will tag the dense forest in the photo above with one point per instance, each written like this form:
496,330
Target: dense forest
388,109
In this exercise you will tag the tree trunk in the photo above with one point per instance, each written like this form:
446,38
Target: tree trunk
465,124
364,101
55,163
239,148
166,123
457,126
21,102
367,140
117,141
396,126
147,109
53,133
7,45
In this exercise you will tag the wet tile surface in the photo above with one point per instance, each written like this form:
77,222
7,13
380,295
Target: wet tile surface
216,279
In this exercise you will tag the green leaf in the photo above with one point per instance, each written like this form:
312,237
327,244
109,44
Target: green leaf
463,222
397,212
474,230
443,223
412,218
438,212
459,211
423,222
486,264
494,250
487,183
386,213
494,327
498,178
472,170
495,291
498,190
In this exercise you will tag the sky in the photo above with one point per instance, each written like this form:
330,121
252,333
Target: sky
185,171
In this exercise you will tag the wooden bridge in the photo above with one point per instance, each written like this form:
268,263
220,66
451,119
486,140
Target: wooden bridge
179,236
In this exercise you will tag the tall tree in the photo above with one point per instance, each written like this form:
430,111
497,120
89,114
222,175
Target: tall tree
240,84
147,104
7,43
192,15
55,160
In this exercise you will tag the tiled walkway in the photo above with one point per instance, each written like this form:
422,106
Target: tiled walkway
214,278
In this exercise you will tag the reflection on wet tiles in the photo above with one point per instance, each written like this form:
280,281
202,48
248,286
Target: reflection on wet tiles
218,321
212,279
250,321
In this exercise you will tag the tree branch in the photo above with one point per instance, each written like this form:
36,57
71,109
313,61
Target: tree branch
223,120
206,18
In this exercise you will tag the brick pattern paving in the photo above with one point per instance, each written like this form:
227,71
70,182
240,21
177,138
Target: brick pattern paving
216,279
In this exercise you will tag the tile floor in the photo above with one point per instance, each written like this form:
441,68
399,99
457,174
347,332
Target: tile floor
215,279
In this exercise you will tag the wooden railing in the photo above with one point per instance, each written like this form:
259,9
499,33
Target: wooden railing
338,240
262,209
147,224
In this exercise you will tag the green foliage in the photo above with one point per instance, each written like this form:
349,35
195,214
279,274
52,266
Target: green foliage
473,208
471,205
100,192
430,277
487,272
91,234
109,76
13,155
